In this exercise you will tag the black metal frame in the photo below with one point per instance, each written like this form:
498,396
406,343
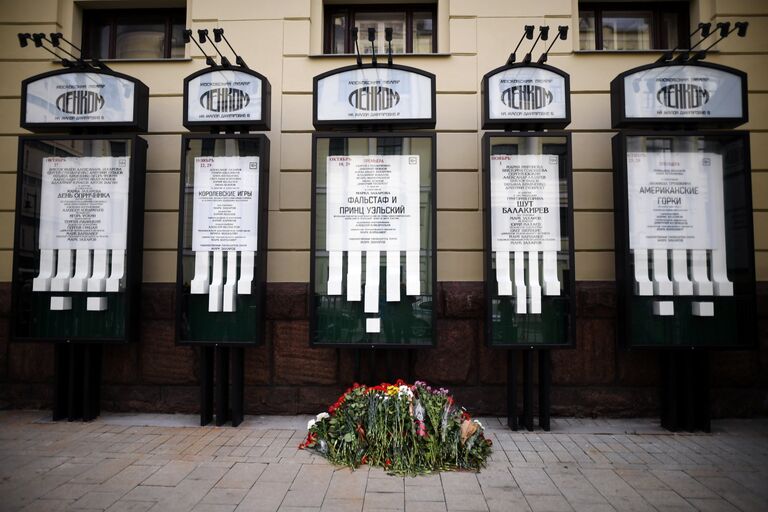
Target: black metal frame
313,236
656,9
487,256
134,241
349,11
525,123
618,111
377,124
621,235
260,274
140,106
91,16
242,126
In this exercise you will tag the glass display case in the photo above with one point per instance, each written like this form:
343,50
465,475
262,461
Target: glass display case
684,234
78,238
373,274
222,239
528,223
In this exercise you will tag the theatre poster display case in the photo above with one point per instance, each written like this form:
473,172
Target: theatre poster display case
373,274
683,224
79,223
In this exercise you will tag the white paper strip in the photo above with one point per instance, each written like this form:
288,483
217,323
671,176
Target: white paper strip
722,285
42,283
115,281
96,304
503,275
335,272
60,282
98,280
534,288
701,283
703,308
720,273
354,269
217,280
412,273
661,283
520,293
663,308
200,283
393,276
230,285
61,303
372,263
79,280
245,283
643,285
373,325
682,284
551,282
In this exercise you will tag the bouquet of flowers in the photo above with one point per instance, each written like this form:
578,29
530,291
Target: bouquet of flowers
407,429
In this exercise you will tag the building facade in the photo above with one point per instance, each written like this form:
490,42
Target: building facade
290,42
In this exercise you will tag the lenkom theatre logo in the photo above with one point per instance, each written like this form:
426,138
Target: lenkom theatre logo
80,102
224,99
526,97
374,98
682,96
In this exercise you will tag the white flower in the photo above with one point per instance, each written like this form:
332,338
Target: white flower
479,424
310,424
322,416
405,391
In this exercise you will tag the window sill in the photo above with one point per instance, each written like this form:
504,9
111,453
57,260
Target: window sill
118,61
640,52
379,56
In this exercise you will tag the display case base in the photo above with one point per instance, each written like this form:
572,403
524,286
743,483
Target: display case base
685,398
516,421
221,385
77,375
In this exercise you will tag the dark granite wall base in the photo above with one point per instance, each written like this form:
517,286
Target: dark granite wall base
286,376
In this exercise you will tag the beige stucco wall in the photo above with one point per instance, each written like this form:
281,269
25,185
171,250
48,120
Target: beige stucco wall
277,37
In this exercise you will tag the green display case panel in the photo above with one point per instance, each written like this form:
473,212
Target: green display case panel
77,261
222,256
684,240
528,231
373,240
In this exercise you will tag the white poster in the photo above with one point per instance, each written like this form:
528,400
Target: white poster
373,203
224,95
379,94
84,202
526,93
682,91
525,203
80,98
671,198
225,212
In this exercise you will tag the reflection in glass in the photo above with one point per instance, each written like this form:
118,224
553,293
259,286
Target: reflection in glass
423,32
626,30
380,21
587,30
140,41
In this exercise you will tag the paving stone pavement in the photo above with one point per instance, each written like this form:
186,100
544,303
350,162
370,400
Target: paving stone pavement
143,462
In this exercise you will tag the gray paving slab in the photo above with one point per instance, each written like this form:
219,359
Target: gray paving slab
156,462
